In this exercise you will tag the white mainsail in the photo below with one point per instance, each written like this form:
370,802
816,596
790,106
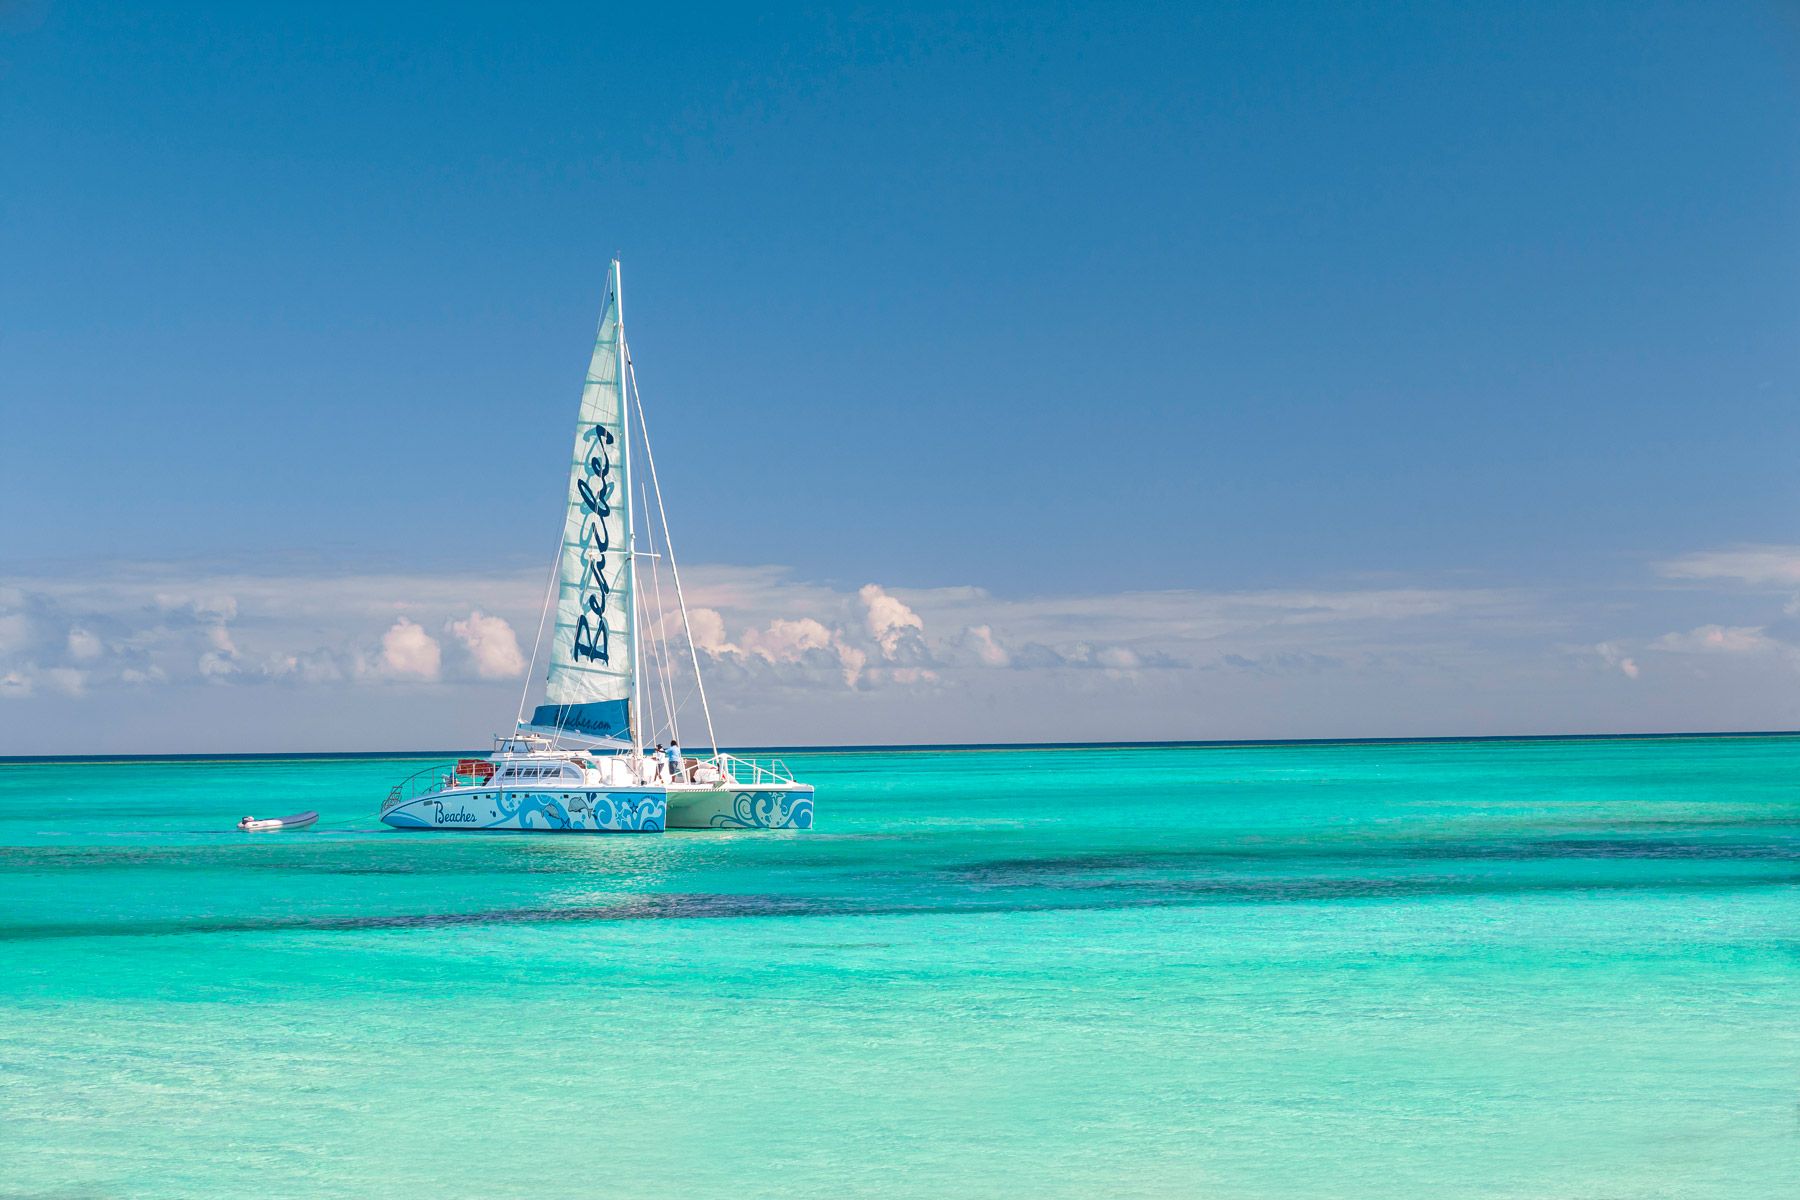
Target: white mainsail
592,673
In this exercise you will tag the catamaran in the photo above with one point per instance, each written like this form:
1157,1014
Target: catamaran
584,761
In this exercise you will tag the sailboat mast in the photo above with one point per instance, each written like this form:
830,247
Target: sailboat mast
637,681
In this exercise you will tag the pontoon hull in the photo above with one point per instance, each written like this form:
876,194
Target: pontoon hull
769,806
541,810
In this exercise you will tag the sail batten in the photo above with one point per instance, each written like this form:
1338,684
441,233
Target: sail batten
590,680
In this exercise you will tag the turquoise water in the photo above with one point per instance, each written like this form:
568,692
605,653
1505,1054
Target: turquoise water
1495,969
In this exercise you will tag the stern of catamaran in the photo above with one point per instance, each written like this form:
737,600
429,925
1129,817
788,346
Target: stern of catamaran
727,791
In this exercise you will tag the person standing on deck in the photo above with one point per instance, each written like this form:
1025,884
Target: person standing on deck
675,761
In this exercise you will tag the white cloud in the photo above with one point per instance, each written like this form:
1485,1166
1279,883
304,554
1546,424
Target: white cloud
988,651
1743,576
212,607
338,630
1718,639
214,665
1745,564
161,628
876,638
797,641
798,660
890,622
708,629
407,650
220,661
316,666
1615,657
786,641
67,680
491,644
851,660
1118,658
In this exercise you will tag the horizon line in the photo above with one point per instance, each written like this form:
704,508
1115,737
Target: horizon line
920,747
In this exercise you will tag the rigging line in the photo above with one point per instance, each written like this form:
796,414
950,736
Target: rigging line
647,646
625,469
685,698
669,546
667,659
666,673
647,698
664,658
659,662
643,697
549,591
657,639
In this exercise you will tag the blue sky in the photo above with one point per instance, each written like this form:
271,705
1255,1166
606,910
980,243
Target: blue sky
1058,307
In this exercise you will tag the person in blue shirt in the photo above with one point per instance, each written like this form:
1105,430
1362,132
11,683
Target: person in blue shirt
674,760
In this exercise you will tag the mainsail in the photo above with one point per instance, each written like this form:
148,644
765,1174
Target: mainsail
593,646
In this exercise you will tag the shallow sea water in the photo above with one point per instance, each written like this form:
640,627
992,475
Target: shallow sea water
1498,969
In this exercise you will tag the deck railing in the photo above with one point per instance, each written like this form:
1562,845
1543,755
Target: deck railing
752,772
737,772
421,782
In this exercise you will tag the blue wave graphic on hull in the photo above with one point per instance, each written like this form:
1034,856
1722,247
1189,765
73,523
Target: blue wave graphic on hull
550,812
767,810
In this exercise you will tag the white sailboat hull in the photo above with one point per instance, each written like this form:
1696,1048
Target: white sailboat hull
765,806
538,810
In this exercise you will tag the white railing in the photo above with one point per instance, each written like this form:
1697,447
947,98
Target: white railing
736,771
430,779
752,772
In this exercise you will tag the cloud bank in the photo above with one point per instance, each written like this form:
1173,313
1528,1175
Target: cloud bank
395,661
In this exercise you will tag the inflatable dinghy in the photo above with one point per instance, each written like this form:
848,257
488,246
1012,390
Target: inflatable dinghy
297,821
